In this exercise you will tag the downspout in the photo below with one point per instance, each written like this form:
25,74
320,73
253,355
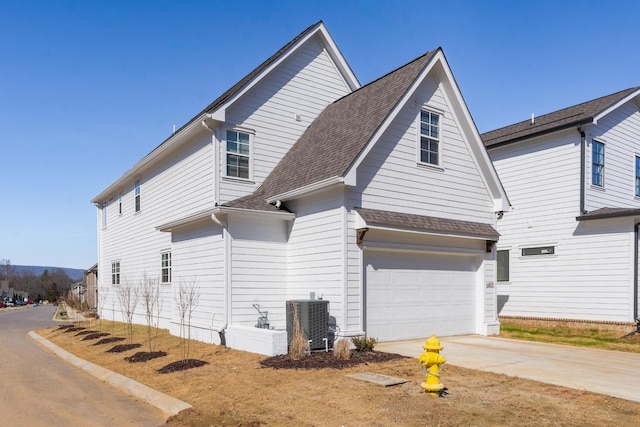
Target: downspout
636,316
583,158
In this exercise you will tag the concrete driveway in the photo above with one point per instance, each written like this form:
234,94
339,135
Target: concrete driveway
613,373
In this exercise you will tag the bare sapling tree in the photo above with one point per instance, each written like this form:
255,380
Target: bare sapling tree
128,298
150,293
102,299
186,300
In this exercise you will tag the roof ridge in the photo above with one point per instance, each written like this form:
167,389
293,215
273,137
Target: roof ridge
580,110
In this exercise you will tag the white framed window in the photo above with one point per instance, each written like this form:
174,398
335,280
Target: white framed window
430,130
503,265
637,183
137,192
597,163
238,154
115,272
165,267
539,250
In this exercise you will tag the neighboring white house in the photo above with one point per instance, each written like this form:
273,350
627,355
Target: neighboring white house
299,183
569,249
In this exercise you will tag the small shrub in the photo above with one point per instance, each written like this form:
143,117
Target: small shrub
341,350
363,344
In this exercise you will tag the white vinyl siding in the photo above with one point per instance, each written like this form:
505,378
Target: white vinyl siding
303,85
316,251
389,177
620,132
259,269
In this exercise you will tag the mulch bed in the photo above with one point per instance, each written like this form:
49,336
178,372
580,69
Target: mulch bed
65,327
95,336
109,340
181,365
143,356
68,330
87,332
322,359
123,347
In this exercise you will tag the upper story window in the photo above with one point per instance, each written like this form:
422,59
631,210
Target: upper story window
120,203
637,193
597,163
136,192
115,273
429,138
238,154
165,267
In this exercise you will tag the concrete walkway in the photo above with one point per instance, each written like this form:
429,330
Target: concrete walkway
614,373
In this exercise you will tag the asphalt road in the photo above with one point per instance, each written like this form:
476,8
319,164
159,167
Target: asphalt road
39,389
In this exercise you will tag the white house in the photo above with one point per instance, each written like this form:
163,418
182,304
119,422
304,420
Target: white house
299,183
569,249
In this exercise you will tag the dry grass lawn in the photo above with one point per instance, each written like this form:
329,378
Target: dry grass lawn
234,390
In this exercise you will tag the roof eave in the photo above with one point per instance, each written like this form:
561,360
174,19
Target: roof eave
587,121
307,189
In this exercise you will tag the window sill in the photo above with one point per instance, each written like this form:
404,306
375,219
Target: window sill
239,180
501,283
598,188
430,167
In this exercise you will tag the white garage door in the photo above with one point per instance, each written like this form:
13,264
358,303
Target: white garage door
411,295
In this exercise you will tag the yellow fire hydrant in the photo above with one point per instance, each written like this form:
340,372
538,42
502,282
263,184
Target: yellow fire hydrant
432,362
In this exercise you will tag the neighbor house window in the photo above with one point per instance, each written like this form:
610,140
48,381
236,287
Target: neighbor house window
637,176
503,266
238,153
540,250
429,138
166,267
136,188
115,273
597,163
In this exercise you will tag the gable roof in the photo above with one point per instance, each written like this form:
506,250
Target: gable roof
577,115
608,212
228,96
338,135
427,223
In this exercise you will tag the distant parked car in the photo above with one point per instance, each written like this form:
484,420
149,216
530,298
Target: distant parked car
20,302
9,304
1,304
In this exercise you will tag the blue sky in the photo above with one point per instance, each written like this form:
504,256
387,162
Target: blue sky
88,87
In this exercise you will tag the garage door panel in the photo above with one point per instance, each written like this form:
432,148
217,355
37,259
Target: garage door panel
413,295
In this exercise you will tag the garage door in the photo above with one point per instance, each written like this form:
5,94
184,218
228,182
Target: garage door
412,295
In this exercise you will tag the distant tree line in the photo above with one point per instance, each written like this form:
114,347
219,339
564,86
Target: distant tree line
48,286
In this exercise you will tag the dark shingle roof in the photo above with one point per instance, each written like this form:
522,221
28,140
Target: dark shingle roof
603,213
252,202
558,120
337,136
427,223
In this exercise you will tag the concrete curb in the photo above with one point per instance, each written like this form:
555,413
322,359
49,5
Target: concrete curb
164,402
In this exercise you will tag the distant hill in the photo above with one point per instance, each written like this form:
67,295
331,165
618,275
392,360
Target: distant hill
73,273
